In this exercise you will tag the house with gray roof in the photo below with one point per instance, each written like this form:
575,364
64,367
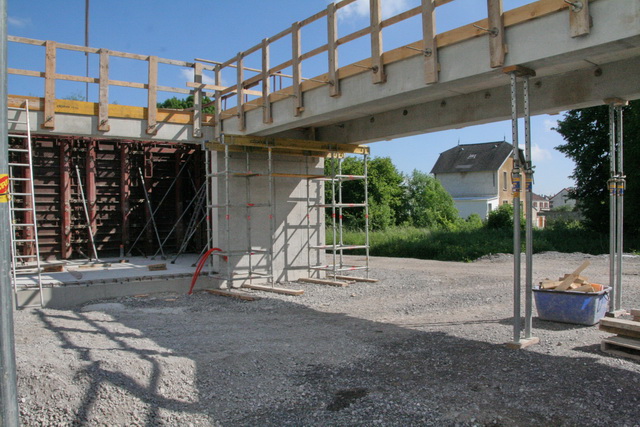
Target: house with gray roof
478,176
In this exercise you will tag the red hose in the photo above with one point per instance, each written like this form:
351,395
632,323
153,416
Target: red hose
201,263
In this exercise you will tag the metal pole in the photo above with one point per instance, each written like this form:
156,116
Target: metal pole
86,44
153,220
227,208
272,216
612,206
528,318
516,177
9,415
366,212
86,215
619,210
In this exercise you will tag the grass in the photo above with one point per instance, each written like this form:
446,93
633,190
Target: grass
470,244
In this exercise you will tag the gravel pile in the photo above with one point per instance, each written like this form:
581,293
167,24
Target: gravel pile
423,346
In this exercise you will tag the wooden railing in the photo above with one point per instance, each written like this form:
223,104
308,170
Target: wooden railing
492,27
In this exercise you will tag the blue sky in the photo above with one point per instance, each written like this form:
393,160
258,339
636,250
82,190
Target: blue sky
219,29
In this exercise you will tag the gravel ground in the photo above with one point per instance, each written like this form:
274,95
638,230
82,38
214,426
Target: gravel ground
423,346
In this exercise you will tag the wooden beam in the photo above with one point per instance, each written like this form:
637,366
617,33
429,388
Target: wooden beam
197,101
377,64
579,19
65,197
332,37
296,65
49,121
357,279
217,102
323,282
240,93
429,45
283,291
497,43
91,192
230,294
266,141
125,187
266,82
103,104
152,97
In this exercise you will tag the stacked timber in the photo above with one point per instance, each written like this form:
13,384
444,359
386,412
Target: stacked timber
572,282
627,341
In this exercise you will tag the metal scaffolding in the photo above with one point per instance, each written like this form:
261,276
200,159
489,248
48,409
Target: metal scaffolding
336,207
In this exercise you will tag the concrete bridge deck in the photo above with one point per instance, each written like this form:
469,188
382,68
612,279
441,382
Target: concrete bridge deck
443,81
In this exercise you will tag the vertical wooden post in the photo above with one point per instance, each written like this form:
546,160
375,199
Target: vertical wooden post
49,121
296,65
266,82
197,101
90,191
431,66
240,92
152,97
376,42
497,43
103,105
217,102
125,189
65,198
332,36
579,19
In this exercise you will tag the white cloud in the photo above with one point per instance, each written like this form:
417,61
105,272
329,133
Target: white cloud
187,74
549,124
539,154
360,9
18,22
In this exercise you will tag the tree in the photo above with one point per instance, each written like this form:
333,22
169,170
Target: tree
182,104
428,203
586,133
385,190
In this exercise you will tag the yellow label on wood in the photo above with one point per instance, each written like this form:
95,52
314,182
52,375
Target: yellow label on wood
4,188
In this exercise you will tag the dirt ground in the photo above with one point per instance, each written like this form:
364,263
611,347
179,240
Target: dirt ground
423,346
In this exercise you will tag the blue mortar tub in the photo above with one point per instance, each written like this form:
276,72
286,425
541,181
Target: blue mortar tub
581,308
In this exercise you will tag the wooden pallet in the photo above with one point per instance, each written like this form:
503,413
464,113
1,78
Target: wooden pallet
622,346
626,328
230,294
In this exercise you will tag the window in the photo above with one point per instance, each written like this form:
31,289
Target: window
504,180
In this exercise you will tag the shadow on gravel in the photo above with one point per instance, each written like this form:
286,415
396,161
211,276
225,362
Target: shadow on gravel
275,362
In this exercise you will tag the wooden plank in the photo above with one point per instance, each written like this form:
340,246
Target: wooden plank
242,125
377,64
265,141
103,97
26,40
157,267
50,86
353,36
313,18
197,101
401,17
173,89
580,20
313,52
635,312
201,86
217,102
134,85
430,47
296,65
619,346
65,198
266,82
323,282
152,97
230,294
283,291
72,78
29,73
332,37
622,325
618,331
357,279
497,44
566,283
